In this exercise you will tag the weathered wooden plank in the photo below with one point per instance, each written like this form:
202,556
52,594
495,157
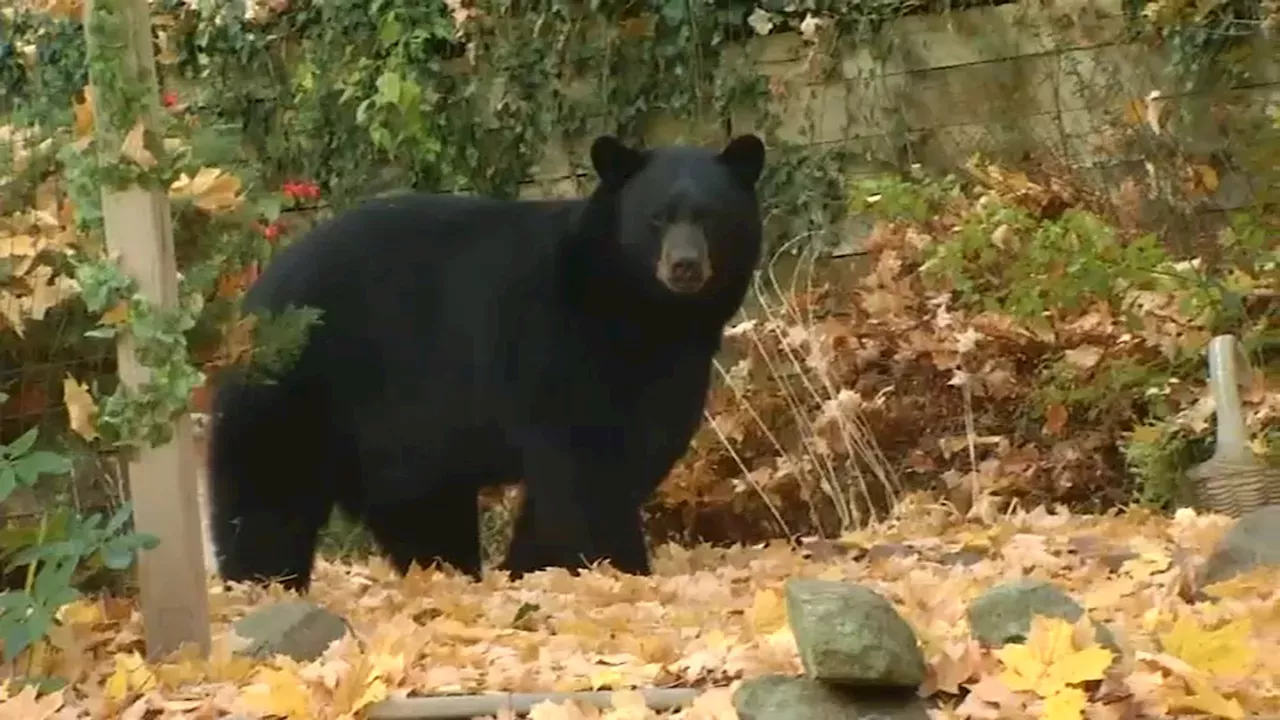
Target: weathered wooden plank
162,479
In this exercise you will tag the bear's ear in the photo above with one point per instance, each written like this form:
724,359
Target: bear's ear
613,161
744,156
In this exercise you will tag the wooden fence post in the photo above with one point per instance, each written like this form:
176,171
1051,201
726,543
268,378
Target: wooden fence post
162,479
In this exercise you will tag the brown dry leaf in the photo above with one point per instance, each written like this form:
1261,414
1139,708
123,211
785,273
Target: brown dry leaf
82,115
20,246
958,664
628,705
116,314
134,147
990,698
26,706
1084,357
568,710
714,704
12,313
1055,418
1208,177
48,292
65,9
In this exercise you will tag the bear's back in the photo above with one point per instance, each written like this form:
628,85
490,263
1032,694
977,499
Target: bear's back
412,240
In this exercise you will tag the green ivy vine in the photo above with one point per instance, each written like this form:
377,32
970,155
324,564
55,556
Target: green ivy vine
452,96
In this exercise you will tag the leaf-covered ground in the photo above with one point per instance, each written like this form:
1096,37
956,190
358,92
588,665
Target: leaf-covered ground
711,616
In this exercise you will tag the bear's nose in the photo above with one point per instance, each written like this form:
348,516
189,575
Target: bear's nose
686,271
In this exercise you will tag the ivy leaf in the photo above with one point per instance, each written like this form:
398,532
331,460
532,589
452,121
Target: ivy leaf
8,481
30,467
53,587
389,87
118,553
22,445
16,629
117,521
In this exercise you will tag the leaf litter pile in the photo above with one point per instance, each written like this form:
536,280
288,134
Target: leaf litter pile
709,617
1023,335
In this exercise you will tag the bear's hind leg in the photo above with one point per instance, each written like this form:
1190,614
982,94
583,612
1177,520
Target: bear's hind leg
626,549
443,526
577,507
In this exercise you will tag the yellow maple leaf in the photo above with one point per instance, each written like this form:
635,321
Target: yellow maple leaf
605,676
1205,699
374,691
225,666
1224,651
81,409
212,190
1049,662
768,613
82,611
131,675
1066,704
277,691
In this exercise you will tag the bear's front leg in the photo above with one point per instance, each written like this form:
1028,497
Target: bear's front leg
577,508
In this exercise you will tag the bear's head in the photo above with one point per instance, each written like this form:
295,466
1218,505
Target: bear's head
685,220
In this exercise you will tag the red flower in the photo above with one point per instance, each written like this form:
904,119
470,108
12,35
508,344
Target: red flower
270,232
302,190
169,99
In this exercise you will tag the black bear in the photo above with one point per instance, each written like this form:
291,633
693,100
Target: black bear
467,342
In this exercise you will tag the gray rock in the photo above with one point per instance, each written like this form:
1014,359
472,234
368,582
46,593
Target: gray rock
963,556
884,551
1003,614
1254,540
1116,559
1092,547
850,635
297,628
778,697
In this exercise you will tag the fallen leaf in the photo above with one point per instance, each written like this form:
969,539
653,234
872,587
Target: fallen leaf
81,409
1225,651
135,149
1055,418
1049,662
1084,357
